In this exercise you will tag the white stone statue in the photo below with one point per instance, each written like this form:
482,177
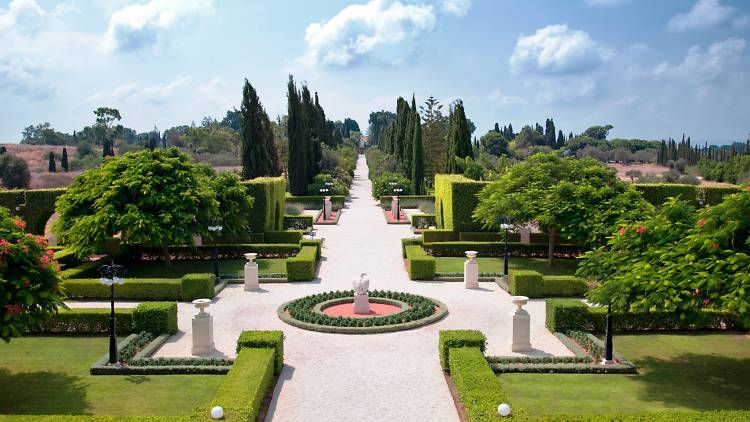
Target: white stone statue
361,298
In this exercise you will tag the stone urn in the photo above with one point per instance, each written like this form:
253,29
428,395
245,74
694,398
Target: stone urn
203,329
521,339
251,272
471,270
361,297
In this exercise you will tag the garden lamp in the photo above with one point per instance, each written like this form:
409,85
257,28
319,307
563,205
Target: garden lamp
110,276
215,227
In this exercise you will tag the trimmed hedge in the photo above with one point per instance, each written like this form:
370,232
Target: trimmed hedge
423,221
197,286
234,250
39,207
244,388
564,285
302,266
419,265
407,241
448,339
154,317
188,288
268,203
67,258
264,339
288,237
481,237
565,315
438,235
298,222
314,242
455,201
405,201
526,283
315,202
498,249
657,193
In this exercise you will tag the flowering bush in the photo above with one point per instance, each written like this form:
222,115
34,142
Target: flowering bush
29,278
679,261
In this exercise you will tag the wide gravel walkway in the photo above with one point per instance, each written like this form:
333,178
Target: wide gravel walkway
380,377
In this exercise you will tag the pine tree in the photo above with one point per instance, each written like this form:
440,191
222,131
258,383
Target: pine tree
64,160
417,168
255,158
52,165
459,138
298,141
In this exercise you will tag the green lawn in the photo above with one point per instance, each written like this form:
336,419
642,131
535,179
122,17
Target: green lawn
685,372
495,265
226,267
49,375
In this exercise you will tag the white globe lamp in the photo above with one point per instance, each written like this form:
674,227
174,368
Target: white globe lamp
217,412
503,410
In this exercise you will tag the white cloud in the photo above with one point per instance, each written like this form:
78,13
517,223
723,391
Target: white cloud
705,14
456,7
134,92
557,49
700,66
139,25
497,96
16,9
358,30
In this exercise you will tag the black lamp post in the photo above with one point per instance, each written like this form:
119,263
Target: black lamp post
215,227
111,275
505,226
20,202
608,338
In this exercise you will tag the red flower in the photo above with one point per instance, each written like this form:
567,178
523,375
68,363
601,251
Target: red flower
20,223
640,230
701,223
622,230
706,301
13,309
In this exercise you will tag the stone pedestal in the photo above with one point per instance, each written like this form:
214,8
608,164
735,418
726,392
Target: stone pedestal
251,272
471,270
525,235
203,329
521,338
395,208
362,304
327,208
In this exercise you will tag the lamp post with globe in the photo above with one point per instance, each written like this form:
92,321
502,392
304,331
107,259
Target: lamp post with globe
110,275
326,198
506,226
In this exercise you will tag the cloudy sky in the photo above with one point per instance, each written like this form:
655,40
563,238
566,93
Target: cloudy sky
653,69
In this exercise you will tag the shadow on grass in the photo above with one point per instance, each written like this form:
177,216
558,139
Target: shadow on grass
695,381
39,393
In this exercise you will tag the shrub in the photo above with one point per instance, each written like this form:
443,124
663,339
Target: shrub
498,249
155,317
423,221
381,185
439,235
409,241
264,339
85,321
268,203
407,201
336,186
67,258
288,237
302,266
455,201
480,237
197,286
315,202
244,388
419,265
563,285
314,242
132,289
449,339
14,172
234,250
298,222
526,283
658,193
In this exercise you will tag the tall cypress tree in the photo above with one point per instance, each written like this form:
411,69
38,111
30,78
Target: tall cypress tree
560,139
313,137
64,160
52,166
255,158
497,127
417,167
409,137
459,138
402,120
298,141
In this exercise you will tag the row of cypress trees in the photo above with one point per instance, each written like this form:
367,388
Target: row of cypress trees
259,157
52,166
402,140
459,139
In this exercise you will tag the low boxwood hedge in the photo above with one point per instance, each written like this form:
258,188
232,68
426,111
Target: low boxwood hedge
565,315
515,249
481,237
658,193
406,201
535,285
244,388
153,317
317,243
409,241
564,286
302,266
449,339
526,283
287,236
188,288
273,339
232,250
439,235
198,286
419,265
315,202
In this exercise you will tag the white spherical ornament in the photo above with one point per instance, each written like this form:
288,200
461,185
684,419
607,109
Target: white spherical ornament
503,410
217,412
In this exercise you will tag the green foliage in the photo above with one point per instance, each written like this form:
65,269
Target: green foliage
155,317
197,286
298,222
406,201
244,388
494,143
658,193
299,140
526,283
288,236
39,205
234,204
29,278
459,138
451,339
317,243
480,237
188,288
154,197
302,266
439,235
267,212
515,249
455,201
316,201
565,315
336,186
734,170
14,172
264,340
419,265
678,261
598,132
423,221
564,285
381,185
85,321
259,156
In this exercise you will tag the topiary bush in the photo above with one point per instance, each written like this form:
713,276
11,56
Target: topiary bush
244,388
197,286
264,339
439,235
287,236
526,283
132,289
155,317
302,266
448,339
381,185
564,285
419,265
455,201
84,321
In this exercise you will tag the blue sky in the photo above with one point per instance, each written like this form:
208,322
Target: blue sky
653,69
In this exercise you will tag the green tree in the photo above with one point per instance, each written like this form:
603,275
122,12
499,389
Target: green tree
255,126
434,132
417,167
459,139
560,139
528,138
494,143
30,288
235,205
52,166
315,152
298,134
157,198
598,132
64,159
581,200
105,117
14,172
379,122
337,138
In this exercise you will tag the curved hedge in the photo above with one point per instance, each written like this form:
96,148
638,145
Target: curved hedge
39,207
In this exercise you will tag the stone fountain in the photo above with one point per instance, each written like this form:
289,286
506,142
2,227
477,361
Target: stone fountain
361,298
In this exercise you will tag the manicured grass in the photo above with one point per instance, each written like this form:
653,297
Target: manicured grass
685,372
49,375
226,267
495,265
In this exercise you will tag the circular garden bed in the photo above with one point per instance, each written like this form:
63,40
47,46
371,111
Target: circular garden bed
329,312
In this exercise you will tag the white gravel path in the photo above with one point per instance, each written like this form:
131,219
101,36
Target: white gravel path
381,377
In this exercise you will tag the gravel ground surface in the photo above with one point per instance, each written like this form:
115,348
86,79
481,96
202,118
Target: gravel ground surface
380,377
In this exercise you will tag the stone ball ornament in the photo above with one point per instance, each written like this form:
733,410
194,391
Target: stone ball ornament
503,410
217,412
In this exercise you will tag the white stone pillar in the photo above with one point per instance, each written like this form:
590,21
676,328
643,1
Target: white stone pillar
251,272
521,338
471,270
327,208
203,329
395,208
